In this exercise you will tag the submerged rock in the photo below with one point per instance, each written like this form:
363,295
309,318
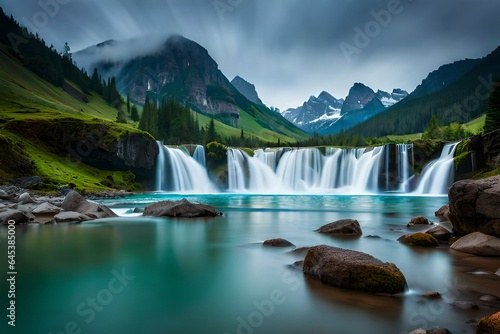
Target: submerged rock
478,243
418,221
475,206
182,208
419,239
353,270
489,325
343,226
278,242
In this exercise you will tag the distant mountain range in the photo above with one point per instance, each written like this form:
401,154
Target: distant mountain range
456,92
182,69
326,114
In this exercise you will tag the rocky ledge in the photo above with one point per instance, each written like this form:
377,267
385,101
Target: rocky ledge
74,208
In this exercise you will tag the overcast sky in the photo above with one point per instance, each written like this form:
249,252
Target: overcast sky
290,49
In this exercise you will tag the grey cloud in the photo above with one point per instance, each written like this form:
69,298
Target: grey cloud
290,48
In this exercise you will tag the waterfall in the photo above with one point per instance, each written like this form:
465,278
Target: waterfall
305,171
437,176
300,169
177,171
199,155
250,174
403,163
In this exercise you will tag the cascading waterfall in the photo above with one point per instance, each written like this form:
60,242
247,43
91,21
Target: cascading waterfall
343,171
177,171
437,176
300,169
250,174
403,162
199,155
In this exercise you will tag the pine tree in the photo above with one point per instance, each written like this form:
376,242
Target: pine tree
134,114
493,110
211,134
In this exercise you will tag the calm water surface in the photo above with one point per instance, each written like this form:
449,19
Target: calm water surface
145,275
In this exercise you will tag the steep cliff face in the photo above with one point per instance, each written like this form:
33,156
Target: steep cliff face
247,89
103,145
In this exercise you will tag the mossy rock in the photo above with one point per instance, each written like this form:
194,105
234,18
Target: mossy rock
353,270
489,325
419,239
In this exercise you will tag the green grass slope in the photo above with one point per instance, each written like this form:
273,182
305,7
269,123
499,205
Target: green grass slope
26,99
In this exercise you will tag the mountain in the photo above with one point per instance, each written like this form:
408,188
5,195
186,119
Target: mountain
325,114
247,89
316,113
183,70
456,92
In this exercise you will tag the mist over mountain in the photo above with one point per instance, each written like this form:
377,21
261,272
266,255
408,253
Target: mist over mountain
181,69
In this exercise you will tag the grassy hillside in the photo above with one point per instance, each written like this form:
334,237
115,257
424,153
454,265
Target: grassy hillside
25,98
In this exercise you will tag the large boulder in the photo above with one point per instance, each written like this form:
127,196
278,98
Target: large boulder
475,206
182,208
478,243
77,203
70,217
343,226
353,270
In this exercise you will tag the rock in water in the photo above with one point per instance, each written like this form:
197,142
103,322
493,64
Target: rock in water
353,270
182,208
77,203
478,243
440,233
278,242
419,239
343,226
475,206
418,221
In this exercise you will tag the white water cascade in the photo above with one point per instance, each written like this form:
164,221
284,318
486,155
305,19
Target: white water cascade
437,176
374,170
177,171
199,155
305,171
403,166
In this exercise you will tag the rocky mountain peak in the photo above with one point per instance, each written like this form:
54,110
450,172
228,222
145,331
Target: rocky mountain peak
246,89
